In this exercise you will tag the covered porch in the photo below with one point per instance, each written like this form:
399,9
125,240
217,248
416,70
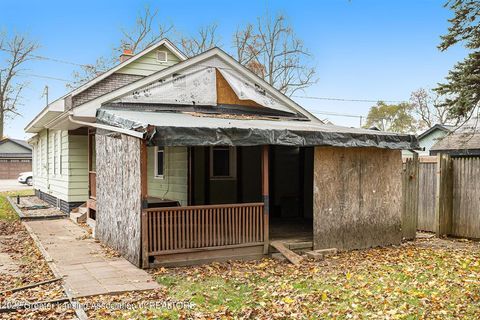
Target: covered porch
234,185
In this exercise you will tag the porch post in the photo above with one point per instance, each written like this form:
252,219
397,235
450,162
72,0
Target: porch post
144,196
266,200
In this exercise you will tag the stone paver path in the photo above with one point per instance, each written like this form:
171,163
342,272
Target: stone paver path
86,268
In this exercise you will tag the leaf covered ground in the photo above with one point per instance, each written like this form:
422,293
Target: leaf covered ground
27,266
427,279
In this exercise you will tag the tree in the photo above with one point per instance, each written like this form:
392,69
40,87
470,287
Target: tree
205,39
17,50
272,50
391,117
428,107
146,32
462,86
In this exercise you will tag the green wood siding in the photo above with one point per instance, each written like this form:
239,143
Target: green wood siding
149,64
70,183
173,186
12,147
77,168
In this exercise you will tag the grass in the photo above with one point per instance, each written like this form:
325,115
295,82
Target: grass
427,279
394,283
6,210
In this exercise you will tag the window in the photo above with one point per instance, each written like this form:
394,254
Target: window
162,56
159,162
222,162
59,156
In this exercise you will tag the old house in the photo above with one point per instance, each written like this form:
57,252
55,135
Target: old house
201,159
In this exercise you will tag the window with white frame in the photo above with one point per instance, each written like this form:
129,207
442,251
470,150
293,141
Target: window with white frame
223,162
59,155
162,56
159,162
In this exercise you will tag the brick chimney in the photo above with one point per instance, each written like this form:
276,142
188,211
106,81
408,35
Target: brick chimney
127,54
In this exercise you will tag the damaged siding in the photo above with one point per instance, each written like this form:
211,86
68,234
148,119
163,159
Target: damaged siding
357,197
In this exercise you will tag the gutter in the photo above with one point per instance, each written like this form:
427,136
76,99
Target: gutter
132,133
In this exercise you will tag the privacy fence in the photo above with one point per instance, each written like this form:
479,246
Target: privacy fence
443,194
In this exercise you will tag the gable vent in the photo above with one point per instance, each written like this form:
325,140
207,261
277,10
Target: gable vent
161,56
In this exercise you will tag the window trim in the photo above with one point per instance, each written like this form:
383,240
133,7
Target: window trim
155,172
232,163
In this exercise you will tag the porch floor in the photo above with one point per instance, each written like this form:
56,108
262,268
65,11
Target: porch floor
291,230
84,264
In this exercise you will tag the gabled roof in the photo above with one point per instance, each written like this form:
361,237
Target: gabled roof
88,109
21,143
442,127
57,107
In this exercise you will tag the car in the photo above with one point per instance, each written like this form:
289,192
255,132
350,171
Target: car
26,178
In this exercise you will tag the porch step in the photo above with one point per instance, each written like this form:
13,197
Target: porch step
299,247
79,214
290,255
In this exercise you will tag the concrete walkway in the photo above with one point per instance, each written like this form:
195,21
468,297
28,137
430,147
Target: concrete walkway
84,264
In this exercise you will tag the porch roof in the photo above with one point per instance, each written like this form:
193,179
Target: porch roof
194,129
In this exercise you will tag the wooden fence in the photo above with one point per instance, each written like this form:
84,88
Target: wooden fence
174,230
448,196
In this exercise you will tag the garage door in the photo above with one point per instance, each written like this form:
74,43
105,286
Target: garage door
10,168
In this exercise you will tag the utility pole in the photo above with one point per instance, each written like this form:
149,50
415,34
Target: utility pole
45,94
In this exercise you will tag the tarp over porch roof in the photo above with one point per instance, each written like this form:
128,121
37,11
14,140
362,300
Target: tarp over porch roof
190,129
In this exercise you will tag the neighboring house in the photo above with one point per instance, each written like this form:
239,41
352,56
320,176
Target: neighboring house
201,159
464,143
430,137
15,157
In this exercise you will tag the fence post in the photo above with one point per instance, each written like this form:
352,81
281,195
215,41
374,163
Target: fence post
444,195
144,240
410,185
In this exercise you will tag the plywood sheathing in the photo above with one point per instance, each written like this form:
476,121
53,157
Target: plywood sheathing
226,95
357,197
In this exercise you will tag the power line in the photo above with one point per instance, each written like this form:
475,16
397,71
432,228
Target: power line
43,77
348,100
51,59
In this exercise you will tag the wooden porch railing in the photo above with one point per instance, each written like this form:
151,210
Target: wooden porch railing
189,229
92,184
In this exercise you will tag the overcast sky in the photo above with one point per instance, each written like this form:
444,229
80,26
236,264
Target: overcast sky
362,49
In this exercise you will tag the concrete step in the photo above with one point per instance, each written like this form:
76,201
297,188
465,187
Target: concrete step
322,253
78,216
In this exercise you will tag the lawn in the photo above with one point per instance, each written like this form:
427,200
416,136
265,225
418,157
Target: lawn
6,211
428,279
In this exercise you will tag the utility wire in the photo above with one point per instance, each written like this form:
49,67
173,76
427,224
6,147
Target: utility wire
42,76
348,100
51,59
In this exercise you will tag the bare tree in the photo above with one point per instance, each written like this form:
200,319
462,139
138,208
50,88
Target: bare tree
18,50
205,39
146,32
272,50
429,108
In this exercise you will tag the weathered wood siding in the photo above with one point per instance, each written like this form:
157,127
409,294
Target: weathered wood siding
410,183
466,198
118,194
357,197
174,183
426,196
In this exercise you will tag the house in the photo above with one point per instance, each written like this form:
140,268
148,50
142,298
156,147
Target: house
201,159
15,157
465,142
428,138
